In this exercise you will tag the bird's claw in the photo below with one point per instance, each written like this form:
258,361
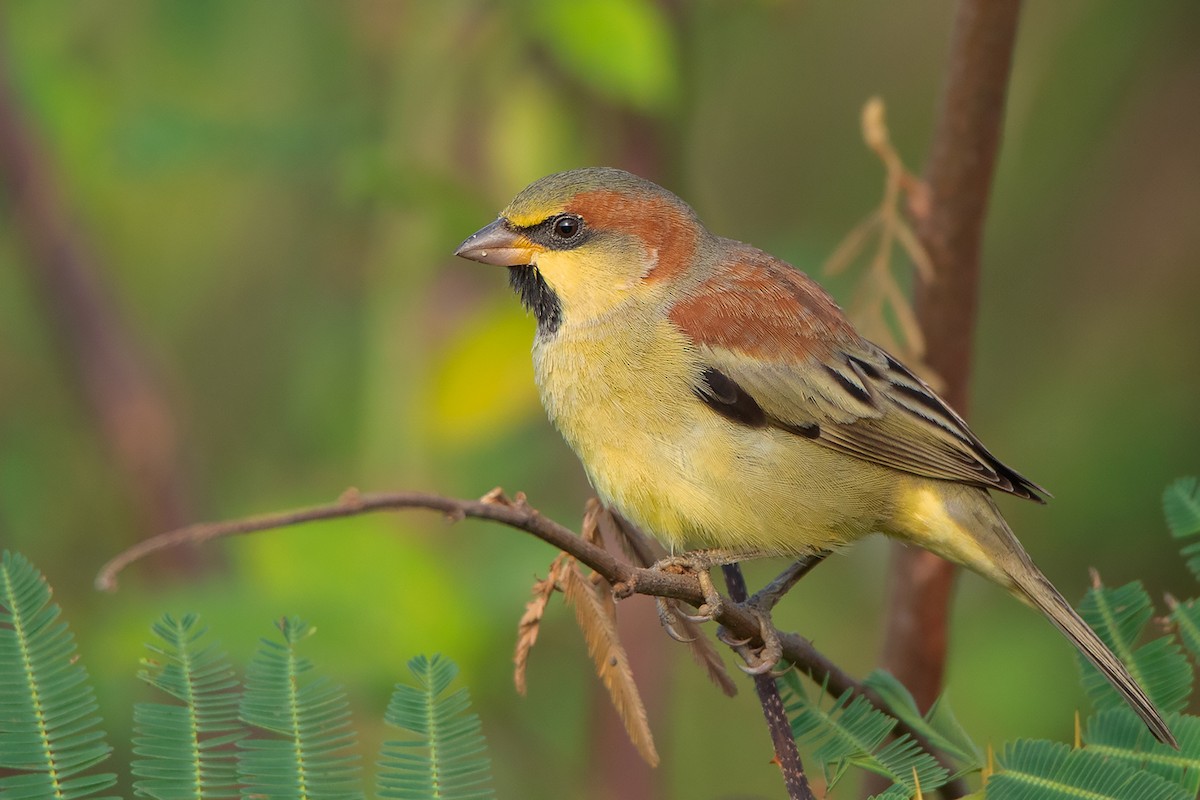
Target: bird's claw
727,638
708,610
669,619
760,660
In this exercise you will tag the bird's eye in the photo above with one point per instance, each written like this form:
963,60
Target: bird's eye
567,226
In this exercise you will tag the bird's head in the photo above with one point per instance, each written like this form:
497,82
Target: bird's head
580,243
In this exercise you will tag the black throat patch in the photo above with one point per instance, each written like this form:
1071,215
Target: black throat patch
537,296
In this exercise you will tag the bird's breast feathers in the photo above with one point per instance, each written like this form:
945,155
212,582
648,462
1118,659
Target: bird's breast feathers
624,393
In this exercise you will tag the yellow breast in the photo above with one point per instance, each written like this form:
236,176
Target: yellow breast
620,389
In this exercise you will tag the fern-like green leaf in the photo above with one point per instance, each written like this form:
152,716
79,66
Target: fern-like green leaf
448,758
1186,617
48,734
939,727
1118,734
301,748
1191,557
853,733
1120,616
1181,507
1041,770
185,745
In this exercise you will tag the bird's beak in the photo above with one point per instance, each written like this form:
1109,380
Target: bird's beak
497,244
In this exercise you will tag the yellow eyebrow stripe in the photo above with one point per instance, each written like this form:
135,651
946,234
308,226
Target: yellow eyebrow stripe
527,219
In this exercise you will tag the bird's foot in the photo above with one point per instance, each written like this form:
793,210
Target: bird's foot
759,660
668,617
697,563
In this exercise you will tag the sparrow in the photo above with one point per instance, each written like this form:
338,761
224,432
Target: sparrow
720,399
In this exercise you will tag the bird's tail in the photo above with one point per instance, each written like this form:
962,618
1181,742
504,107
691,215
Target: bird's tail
994,552
1033,586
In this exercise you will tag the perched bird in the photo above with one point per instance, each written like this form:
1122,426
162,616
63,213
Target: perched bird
721,400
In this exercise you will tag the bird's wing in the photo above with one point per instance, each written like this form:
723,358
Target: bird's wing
778,351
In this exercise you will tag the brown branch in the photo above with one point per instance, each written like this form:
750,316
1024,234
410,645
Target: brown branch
625,578
130,410
950,226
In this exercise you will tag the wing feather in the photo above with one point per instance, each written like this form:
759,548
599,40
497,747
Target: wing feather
773,341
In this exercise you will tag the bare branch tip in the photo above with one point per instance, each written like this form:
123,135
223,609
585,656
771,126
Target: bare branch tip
874,127
351,498
495,497
590,528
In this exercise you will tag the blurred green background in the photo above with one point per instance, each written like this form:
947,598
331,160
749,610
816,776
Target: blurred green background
268,194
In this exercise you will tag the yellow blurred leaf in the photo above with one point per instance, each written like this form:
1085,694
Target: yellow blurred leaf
483,384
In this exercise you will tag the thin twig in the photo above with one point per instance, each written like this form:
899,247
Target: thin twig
878,289
786,754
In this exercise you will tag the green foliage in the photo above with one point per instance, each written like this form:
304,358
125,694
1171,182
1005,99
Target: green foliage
186,745
48,734
1042,770
1186,617
1119,735
448,759
306,722
1120,617
852,732
939,727
1181,507
1120,758
299,745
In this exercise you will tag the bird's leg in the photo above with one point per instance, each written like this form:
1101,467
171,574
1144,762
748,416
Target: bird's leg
769,596
762,659
698,562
